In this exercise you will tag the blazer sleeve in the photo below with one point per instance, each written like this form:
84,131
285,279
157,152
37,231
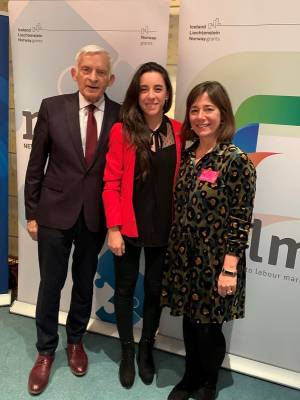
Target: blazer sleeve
37,161
113,174
180,144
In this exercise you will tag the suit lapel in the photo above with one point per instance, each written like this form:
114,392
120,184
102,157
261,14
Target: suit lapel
72,113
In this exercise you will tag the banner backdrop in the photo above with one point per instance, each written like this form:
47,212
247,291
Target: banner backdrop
3,154
45,36
253,49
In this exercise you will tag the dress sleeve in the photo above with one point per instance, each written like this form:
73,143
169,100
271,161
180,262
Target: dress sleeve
113,177
241,185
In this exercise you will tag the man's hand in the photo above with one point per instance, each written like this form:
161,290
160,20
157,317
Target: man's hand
32,228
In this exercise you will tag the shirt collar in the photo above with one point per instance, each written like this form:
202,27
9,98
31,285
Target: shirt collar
163,127
217,150
84,103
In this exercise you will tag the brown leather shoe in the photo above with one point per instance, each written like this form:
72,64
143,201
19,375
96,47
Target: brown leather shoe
78,361
39,375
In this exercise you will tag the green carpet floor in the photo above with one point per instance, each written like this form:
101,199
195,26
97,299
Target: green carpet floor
17,355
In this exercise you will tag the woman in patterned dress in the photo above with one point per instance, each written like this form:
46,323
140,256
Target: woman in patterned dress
204,279
143,160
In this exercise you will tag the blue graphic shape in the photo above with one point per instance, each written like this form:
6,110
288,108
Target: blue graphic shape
246,138
105,270
3,153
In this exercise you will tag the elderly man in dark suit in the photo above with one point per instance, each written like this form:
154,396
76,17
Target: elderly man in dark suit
63,205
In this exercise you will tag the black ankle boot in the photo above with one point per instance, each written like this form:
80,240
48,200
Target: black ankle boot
145,361
184,389
127,368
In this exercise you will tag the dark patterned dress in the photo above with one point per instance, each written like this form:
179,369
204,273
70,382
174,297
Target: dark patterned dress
211,219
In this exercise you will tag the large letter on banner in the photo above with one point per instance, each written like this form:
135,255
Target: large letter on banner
45,36
4,297
253,49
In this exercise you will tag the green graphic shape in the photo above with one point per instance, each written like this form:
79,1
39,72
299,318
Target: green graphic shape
267,109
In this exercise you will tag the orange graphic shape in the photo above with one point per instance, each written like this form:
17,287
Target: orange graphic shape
258,157
269,219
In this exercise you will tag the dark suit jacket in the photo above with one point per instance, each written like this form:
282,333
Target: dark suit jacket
56,191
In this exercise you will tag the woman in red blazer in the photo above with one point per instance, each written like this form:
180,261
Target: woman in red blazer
141,166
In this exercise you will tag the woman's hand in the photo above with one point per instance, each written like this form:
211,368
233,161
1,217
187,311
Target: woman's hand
115,241
226,285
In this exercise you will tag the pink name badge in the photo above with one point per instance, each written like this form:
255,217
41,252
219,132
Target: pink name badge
208,175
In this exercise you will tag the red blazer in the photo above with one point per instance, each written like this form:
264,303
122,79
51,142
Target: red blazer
119,176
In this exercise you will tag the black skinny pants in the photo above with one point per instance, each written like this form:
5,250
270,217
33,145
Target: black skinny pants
126,273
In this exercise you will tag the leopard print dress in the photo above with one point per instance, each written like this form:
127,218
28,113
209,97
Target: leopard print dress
212,218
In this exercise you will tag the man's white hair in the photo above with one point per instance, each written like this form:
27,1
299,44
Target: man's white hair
94,49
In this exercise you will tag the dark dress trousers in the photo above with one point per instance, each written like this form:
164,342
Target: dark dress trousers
64,196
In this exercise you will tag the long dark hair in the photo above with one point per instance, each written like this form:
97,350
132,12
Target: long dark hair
219,97
134,125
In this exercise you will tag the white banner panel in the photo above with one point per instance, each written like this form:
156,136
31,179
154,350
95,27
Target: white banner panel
253,49
45,36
